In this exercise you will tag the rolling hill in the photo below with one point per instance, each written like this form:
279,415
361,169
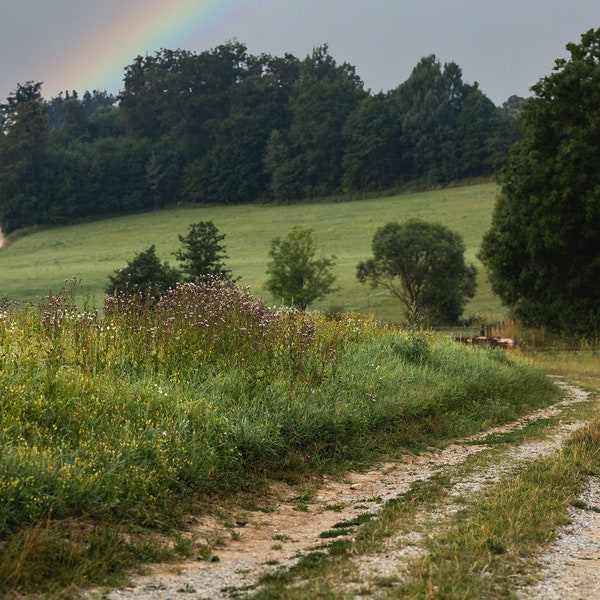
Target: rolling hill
39,261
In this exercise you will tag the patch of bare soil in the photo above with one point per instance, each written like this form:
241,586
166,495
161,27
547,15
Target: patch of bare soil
254,542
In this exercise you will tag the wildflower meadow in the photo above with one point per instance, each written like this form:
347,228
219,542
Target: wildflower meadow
134,414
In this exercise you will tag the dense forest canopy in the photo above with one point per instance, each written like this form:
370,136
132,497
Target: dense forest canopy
227,127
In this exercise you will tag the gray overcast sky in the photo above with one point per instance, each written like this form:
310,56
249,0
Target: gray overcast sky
505,45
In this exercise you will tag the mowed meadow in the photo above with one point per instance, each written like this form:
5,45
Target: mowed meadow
31,265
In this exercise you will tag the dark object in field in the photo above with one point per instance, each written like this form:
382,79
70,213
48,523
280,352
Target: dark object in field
492,341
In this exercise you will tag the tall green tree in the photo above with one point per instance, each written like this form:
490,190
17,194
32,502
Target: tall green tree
373,153
90,103
422,264
295,274
320,102
75,126
118,175
24,140
178,90
145,274
209,117
96,100
542,250
202,252
430,101
477,125
232,172
234,169
106,122
283,163
508,131
73,191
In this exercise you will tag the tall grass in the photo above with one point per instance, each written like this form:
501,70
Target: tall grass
131,415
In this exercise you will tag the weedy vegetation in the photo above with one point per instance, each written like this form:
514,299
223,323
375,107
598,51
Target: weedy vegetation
114,425
489,546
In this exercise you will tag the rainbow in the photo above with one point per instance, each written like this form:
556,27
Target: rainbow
101,58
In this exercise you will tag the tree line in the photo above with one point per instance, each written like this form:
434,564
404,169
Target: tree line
227,127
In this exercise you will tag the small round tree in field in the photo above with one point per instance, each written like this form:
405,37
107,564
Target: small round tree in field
144,273
423,265
294,274
542,250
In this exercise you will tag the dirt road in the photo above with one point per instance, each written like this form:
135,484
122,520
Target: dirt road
253,542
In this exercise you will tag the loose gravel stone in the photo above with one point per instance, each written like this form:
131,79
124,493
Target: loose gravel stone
570,568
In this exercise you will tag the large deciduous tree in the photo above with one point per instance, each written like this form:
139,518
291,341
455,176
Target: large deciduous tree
294,273
422,264
430,101
373,156
542,250
308,159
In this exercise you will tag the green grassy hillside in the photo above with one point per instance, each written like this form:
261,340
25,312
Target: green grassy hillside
34,264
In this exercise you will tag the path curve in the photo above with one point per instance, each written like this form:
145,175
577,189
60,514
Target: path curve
257,540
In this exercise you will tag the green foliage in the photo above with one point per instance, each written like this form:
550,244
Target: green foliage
24,146
543,248
480,134
294,274
311,153
415,348
232,172
116,177
449,129
283,164
422,264
129,417
202,252
430,101
144,273
373,156
58,558
226,127
63,107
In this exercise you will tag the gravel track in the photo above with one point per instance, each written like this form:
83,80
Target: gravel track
570,568
263,541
